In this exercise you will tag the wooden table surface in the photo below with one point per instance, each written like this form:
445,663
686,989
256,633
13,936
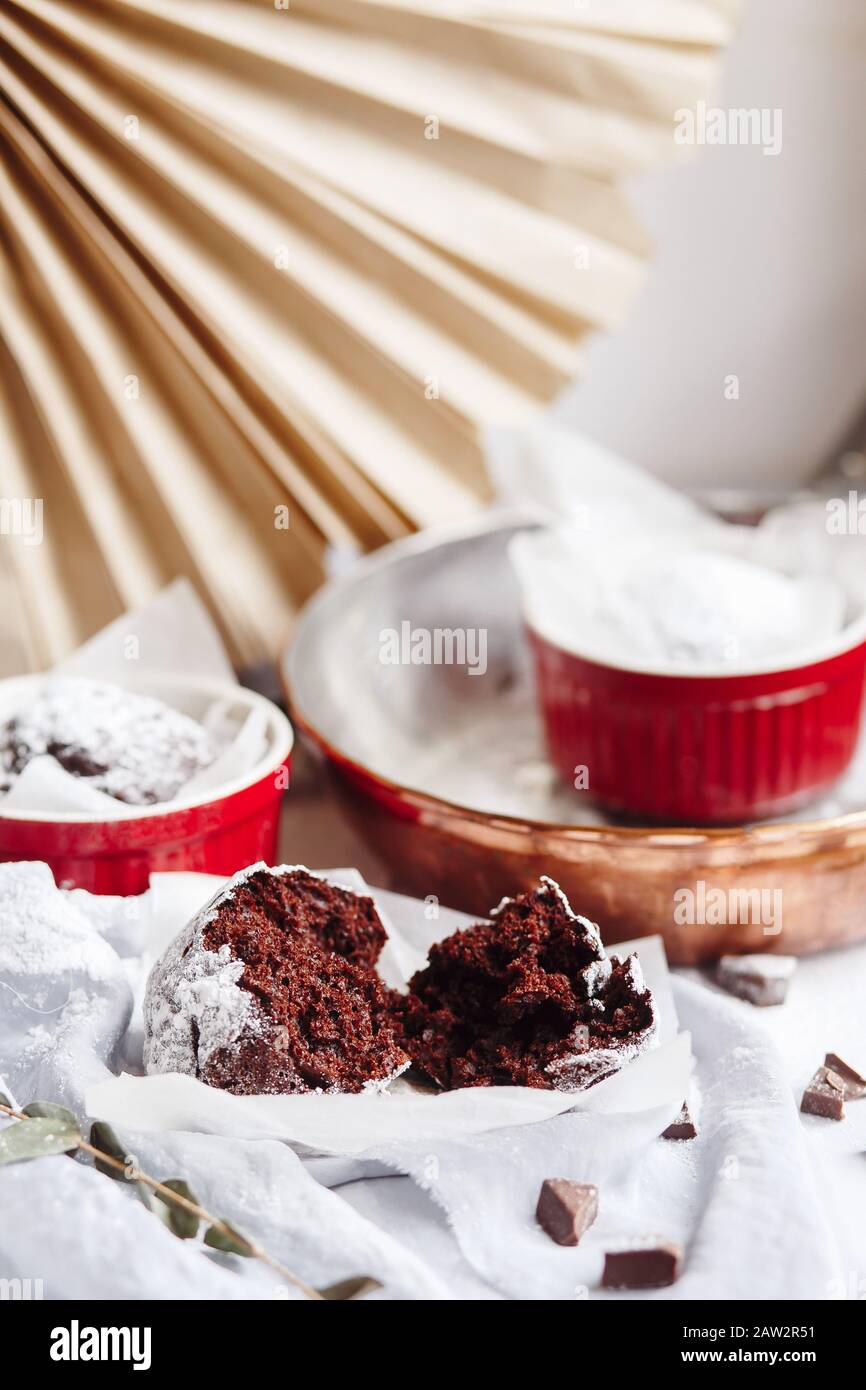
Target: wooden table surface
313,830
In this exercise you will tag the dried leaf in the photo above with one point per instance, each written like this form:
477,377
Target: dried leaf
347,1289
36,1138
184,1223
227,1239
47,1110
153,1203
103,1137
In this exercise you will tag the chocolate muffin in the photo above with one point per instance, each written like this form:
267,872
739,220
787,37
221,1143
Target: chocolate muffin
272,989
131,747
528,999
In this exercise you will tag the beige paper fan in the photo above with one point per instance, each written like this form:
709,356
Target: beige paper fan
268,270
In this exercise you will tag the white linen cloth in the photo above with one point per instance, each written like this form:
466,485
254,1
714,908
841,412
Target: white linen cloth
763,1201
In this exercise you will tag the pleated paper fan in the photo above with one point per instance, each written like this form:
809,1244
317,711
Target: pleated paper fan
267,273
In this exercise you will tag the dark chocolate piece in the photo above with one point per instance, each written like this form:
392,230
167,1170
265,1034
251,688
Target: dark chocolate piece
824,1095
761,980
566,1209
651,1263
853,1082
683,1126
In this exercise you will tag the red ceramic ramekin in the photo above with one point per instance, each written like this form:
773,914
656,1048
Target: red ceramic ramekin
701,749
217,832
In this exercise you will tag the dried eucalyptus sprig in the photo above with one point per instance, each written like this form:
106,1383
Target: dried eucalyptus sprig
45,1128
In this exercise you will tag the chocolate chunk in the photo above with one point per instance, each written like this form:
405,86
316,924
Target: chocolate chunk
824,1095
853,1082
683,1126
651,1263
761,980
566,1209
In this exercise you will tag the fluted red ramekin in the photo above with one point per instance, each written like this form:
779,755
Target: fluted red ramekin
218,832
701,749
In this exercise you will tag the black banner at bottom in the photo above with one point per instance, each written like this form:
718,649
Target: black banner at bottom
145,1338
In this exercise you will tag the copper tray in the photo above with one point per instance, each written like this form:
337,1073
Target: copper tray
443,774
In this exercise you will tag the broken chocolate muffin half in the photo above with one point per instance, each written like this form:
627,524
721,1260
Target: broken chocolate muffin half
272,989
528,999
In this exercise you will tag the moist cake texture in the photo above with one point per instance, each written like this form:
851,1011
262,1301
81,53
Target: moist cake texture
527,999
272,989
263,903
129,746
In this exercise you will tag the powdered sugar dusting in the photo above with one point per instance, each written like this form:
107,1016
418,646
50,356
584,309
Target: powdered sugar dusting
378,1087
584,1068
43,935
587,1065
634,974
596,975
769,966
127,745
630,600
194,1004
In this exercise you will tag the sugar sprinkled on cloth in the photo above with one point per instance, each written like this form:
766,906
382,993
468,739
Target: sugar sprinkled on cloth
64,998
43,934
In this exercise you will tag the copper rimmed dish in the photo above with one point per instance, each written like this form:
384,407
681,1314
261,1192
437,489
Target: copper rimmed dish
442,769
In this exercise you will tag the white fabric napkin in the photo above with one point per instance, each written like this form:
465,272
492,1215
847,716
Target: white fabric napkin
727,1197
